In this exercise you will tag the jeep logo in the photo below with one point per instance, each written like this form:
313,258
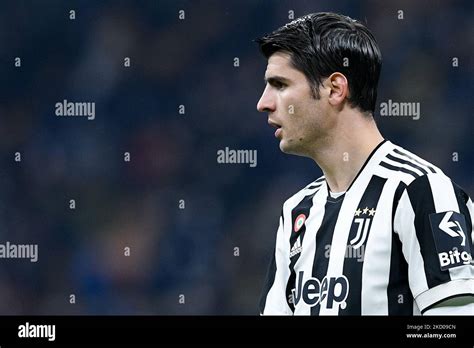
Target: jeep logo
331,289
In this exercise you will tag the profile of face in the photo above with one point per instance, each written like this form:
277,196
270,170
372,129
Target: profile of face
301,121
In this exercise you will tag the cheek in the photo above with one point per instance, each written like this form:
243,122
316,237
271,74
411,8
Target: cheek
306,114
292,109
309,121
290,101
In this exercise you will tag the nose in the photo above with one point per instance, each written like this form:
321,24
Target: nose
266,102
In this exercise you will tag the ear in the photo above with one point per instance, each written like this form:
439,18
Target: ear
339,89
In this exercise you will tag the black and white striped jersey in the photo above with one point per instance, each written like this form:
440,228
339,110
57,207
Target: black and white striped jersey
397,242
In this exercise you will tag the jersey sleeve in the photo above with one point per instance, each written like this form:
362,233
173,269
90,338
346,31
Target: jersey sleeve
273,298
433,220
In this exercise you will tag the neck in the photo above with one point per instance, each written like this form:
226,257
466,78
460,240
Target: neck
344,154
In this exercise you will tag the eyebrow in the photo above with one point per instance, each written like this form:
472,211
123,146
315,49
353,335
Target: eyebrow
276,78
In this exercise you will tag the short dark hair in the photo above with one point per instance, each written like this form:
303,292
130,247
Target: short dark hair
318,44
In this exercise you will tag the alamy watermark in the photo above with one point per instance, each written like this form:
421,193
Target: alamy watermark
19,251
392,108
85,109
350,253
237,156
28,330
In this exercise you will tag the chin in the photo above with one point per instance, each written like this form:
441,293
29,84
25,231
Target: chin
285,148
288,149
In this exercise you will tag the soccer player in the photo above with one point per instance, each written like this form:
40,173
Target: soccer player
383,232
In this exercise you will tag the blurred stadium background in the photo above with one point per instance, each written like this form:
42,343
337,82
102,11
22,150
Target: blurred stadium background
183,62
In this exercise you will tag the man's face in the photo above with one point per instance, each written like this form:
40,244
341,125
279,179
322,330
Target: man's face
301,120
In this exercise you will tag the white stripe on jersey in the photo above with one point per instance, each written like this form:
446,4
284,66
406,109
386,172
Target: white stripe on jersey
411,160
313,222
418,159
273,304
416,310
400,165
376,270
387,173
405,216
470,207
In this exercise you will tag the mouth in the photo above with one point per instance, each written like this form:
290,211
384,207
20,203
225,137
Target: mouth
277,126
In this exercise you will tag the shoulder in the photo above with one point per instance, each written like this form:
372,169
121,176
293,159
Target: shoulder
422,175
430,191
407,167
309,189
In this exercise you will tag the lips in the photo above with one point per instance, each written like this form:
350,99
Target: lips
278,132
277,126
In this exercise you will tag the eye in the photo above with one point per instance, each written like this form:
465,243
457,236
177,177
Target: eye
278,85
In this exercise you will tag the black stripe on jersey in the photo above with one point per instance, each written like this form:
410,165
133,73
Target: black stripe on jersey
316,183
400,298
403,153
421,198
352,265
365,163
396,198
401,169
463,198
409,163
269,280
323,242
302,208
313,186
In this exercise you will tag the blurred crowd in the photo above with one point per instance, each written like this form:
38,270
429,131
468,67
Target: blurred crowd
200,233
